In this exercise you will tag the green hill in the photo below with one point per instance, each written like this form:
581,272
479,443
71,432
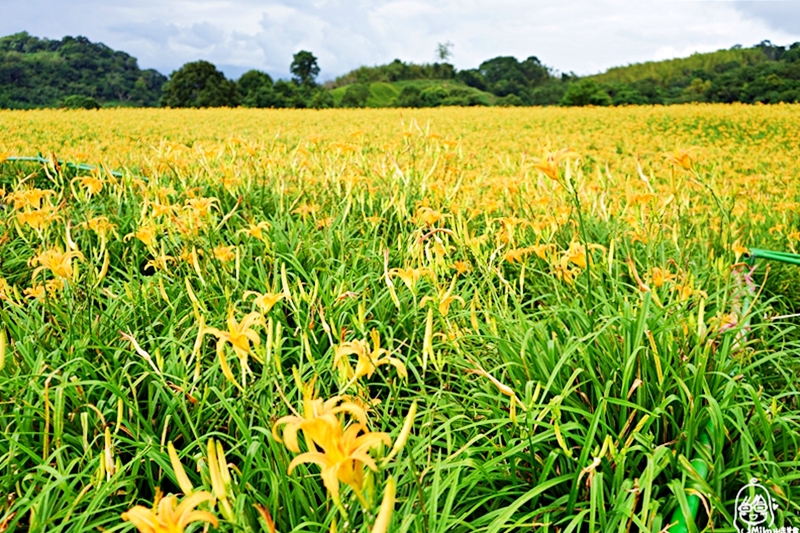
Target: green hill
45,73
431,94
764,73
501,80
670,70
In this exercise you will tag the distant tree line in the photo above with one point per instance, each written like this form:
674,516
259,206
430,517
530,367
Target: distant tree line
75,72
200,84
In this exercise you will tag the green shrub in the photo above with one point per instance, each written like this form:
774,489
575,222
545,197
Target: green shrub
199,84
626,94
585,92
77,101
510,100
256,90
356,95
410,96
433,96
321,99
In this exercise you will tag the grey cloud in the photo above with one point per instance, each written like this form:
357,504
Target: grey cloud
153,30
779,14
232,72
202,35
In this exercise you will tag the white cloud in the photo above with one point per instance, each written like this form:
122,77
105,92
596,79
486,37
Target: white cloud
583,36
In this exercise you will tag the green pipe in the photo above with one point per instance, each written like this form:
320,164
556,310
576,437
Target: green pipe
784,257
678,520
76,166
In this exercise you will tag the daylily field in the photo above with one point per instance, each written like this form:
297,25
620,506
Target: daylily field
462,320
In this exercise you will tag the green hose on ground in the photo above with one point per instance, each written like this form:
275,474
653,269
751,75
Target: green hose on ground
784,257
76,166
679,520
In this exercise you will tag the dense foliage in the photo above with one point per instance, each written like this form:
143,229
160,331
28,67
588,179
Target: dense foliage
44,73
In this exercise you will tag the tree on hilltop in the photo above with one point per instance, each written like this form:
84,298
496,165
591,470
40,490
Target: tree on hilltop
256,89
444,51
199,84
304,68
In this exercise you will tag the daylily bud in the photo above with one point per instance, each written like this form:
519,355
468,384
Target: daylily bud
180,473
387,508
404,433
3,344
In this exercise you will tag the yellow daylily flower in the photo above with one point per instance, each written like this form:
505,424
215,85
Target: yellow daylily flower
368,359
739,250
516,255
445,299
462,267
28,198
36,292
305,210
101,225
576,254
145,233
160,262
313,409
92,184
428,216
682,157
38,219
200,207
343,456
160,210
257,230
548,165
56,261
239,335
224,254
661,276
541,250
169,518
265,301
410,276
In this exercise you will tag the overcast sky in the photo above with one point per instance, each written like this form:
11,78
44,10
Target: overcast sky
582,36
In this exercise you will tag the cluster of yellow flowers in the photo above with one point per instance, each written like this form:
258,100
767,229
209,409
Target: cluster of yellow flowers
339,444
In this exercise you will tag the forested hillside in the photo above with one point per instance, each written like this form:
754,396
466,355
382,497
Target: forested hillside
764,73
38,72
